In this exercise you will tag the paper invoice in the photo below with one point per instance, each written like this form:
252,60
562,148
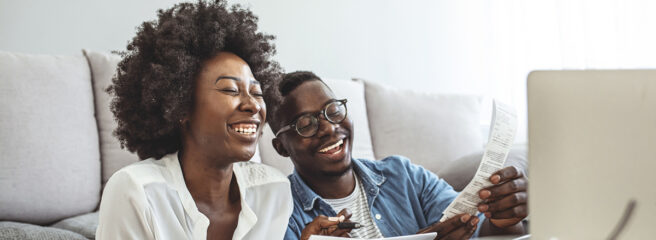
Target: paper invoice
423,236
501,138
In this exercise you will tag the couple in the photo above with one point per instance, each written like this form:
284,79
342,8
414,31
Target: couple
189,100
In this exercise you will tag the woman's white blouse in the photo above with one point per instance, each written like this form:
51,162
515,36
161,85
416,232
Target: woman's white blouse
150,200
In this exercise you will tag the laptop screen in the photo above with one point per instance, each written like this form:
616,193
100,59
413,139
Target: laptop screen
592,151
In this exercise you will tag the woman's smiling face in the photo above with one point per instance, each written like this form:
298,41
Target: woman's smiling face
228,110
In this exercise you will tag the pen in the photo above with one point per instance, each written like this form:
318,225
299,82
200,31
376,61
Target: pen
348,225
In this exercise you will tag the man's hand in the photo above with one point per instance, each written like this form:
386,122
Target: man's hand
461,226
505,203
322,225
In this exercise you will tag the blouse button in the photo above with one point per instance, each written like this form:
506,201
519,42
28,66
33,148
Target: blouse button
378,217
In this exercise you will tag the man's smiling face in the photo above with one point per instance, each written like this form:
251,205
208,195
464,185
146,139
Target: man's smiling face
328,152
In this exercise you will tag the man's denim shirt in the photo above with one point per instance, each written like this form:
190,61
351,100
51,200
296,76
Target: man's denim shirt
402,197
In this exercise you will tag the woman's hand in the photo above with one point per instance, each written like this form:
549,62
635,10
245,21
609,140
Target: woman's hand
322,225
461,226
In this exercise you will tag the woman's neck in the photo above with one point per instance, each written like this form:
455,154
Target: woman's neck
215,190
209,182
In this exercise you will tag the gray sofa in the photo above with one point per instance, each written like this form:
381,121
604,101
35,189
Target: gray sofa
58,150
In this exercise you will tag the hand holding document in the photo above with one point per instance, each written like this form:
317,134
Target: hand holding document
502,136
424,236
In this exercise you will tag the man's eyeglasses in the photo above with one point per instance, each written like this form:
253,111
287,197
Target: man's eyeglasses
308,124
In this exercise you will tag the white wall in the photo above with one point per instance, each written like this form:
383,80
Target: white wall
67,26
470,46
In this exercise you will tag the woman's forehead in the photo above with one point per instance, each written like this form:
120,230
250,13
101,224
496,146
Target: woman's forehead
227,64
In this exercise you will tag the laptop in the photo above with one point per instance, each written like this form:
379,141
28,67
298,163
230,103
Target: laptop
592,154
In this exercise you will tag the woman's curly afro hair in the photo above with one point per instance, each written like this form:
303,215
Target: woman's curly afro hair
154,85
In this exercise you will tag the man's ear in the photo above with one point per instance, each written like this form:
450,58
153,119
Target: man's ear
279,147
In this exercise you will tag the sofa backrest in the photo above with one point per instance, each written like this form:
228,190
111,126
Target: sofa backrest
50,164
430,129
103,68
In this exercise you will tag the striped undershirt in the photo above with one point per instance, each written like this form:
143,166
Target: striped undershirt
356,202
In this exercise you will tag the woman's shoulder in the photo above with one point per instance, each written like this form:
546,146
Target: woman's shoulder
126,185
254,174
132,195
140,174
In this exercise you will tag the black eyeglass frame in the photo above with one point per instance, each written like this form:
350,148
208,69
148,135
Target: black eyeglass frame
315,118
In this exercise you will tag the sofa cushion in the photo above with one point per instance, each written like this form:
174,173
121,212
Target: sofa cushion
85,224
357,112
50,165
430,129
458,173
14,230
103,66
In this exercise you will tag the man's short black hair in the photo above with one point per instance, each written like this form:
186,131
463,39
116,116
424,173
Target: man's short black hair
276,91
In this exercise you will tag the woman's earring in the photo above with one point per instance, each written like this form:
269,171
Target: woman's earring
183,122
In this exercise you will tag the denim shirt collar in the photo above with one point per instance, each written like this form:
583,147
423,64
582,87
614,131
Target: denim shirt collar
370,179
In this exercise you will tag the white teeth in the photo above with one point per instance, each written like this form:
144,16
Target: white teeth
326,149
246,131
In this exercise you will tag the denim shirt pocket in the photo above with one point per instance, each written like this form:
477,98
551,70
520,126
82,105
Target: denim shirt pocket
394,218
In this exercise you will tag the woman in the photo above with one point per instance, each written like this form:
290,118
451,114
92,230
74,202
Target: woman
188,100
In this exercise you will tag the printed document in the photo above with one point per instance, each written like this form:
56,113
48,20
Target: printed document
423,236
501,138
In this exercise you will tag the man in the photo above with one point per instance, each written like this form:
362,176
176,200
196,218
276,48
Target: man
390,197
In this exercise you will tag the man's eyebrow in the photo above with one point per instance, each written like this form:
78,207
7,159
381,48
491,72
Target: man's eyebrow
253,81
311,112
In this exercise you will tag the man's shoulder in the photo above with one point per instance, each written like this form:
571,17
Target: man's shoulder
390,162
394,167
